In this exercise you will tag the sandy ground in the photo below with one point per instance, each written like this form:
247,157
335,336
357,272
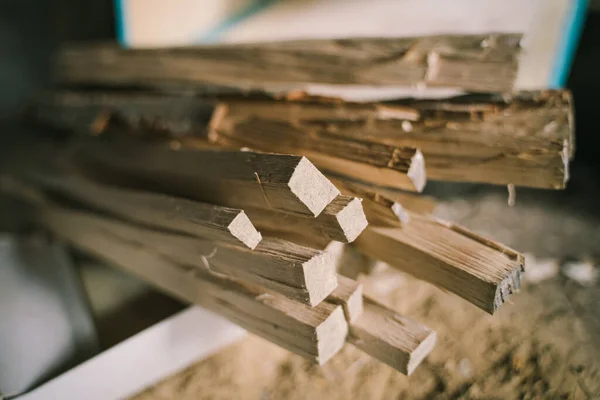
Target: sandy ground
545,344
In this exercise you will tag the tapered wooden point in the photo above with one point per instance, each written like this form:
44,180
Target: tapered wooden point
416,171
241,227
312,187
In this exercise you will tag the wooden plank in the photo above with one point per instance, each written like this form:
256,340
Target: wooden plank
485,62
300,273
481,271
208,221
398,341
316,333
342,220
236,179
399,167
95,112
525,138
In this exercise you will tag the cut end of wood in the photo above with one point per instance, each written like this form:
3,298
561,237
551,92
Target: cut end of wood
331,335
312,187
320,277
422,351
351,219
416,171
511,284
242,228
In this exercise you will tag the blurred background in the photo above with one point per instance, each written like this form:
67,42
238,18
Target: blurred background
550,337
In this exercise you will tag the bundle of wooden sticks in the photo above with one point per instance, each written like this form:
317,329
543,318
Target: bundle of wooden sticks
210,173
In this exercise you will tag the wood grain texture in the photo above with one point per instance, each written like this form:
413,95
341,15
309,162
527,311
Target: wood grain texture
316,333
474,62
342,220
399,167
208,221
479,270
398,341
300,273
525,138
230,178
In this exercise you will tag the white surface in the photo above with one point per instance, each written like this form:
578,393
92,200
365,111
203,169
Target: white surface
143,359
185,22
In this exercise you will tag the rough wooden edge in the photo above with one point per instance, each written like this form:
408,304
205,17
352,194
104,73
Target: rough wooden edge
349,295
479,270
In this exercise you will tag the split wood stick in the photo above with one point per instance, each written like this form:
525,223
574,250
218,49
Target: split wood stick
481,271
474,62
316,333
300,273
148,114
399,167
208,221
400,342
418,203
525,138
342,220
237,179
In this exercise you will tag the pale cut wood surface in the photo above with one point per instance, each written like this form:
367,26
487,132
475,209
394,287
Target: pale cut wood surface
230,178
525,138
398,167
398,341
222,224
481,271
300,273
485,62
342,220
316,333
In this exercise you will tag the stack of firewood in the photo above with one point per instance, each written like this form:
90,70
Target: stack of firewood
215,175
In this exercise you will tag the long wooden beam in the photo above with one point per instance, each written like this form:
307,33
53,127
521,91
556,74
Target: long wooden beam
481,271
236,179
208,221
474,62
300,273
316,333
524,138
398,167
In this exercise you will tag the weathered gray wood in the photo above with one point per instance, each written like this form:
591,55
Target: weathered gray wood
400,342
479,270
313,332
230,178
342,220
217,223
474,62
524,138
